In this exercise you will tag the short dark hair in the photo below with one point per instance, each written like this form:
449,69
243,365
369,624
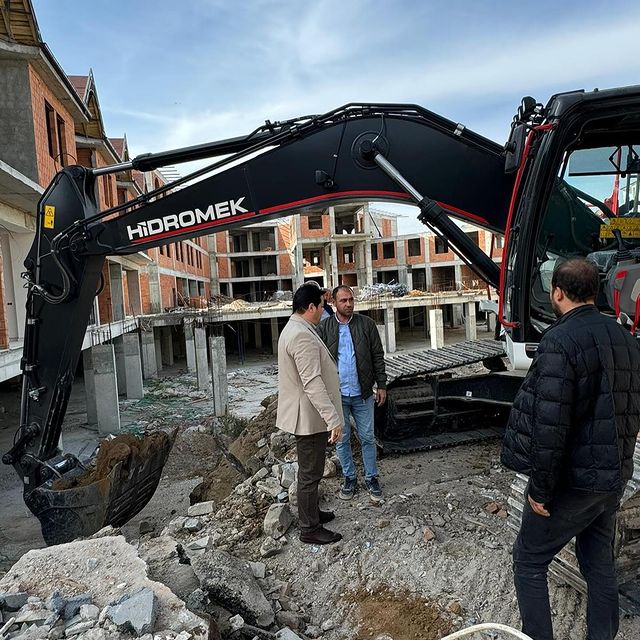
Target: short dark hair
578,278
305,295
334,293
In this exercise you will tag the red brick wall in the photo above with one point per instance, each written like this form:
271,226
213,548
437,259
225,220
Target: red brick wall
144,292
167,285
224,268
286,268
387,228
104,299
385,262
4,333
221,242
47,166
128,311
439,257
305,232
414,259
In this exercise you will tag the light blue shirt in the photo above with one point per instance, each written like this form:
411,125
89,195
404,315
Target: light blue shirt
347,369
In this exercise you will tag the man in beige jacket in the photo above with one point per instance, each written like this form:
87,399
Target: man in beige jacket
309,406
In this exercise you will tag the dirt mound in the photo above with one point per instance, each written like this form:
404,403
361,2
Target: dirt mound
399,614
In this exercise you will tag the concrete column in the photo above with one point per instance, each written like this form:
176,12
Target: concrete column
190,347
117,291
133,287
383,336
89,387
401,260
202,368
457,270
390,329
412,322
149,362
158,347
121,372
491,322
436,328
104,373
133,366
213,265
257,330
335,277
366,229
166,340
155,295
275,334
470,330
219,376
298,266
457,315
409,279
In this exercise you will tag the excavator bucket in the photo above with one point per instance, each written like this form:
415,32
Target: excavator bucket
113,488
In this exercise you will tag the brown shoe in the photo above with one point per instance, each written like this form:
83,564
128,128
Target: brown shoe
320,536
326,516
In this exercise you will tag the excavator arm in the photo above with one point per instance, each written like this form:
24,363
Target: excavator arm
396,153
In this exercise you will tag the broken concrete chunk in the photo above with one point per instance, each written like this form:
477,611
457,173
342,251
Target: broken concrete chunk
270,547
287,634
270,486
330,470
72,605
13,601
259,569
193,524
230,582
200,509
277,521
135,612
89,612
288,473
259,475
78,628
428,535
236,622
327,625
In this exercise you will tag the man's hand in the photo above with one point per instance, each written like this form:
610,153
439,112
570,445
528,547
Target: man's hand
538,507
381,396
335,435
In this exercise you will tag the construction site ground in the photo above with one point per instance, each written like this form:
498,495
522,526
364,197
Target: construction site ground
433,557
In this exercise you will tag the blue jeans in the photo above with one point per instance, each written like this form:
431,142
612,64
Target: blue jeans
591,518
362,412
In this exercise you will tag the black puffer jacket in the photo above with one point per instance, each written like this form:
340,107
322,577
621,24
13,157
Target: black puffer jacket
367,346
575,419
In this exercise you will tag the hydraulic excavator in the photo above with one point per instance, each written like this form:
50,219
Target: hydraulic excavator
565,184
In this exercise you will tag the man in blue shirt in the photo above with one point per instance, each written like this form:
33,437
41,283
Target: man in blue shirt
354,342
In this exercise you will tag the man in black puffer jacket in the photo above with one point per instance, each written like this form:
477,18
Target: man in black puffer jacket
573,430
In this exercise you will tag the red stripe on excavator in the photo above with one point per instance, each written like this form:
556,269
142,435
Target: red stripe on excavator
332,196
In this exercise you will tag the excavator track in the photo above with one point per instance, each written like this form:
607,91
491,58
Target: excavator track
564,567
429,407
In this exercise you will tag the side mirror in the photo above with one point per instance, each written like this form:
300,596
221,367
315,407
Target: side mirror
515,147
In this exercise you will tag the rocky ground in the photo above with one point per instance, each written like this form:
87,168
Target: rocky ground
215,553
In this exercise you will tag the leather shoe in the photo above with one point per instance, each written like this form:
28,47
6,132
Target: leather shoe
326,516
320,536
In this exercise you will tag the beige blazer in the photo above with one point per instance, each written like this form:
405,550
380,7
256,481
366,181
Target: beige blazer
309,399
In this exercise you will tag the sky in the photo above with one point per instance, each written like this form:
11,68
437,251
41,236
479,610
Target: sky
172,74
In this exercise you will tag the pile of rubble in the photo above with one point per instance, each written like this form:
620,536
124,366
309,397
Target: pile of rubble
394,289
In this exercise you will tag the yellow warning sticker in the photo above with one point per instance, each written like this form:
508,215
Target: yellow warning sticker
629,227
49,216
